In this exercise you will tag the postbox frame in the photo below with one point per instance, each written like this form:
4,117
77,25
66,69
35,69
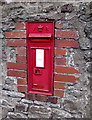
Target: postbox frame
46,45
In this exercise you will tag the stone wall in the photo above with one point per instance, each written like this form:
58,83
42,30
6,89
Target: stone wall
72,52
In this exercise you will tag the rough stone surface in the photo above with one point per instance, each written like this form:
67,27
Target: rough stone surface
76,102
59,113
39,112
67,8
16,115
13,94
21,107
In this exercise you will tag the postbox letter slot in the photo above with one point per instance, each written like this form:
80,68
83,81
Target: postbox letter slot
37,35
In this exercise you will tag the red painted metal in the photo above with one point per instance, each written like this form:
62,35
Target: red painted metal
37,35
40,37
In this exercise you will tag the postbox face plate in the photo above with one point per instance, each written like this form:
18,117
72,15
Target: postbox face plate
40,47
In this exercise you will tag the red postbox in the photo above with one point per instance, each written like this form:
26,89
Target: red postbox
40,47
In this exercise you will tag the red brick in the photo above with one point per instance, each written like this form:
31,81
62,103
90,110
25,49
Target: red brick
30,96
21,51
41,98
26,96
60,52
15,73
66,78
20,25
67,43
15,34
58,85
37,97
16,43
60,61
19,66
22,59
22,81
22,88
53,100
58,24
68,70
67,34
59,93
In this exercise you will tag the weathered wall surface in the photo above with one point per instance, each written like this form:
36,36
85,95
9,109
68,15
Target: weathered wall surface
15,101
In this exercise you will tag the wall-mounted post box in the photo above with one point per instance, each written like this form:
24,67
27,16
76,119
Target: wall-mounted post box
40,47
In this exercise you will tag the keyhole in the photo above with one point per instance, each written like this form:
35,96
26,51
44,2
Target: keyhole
37,71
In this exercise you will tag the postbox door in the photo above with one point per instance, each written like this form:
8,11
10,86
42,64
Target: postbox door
41,71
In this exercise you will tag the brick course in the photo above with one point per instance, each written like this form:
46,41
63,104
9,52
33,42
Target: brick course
16,73
16,43
59,93
21,59
18,66
67,34
67,70
22,81
20,25
67,43
22,88
15,34
65,78
58,85
60,61
21,51
60,52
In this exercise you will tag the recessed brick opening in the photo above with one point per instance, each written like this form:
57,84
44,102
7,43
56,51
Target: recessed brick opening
63,73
